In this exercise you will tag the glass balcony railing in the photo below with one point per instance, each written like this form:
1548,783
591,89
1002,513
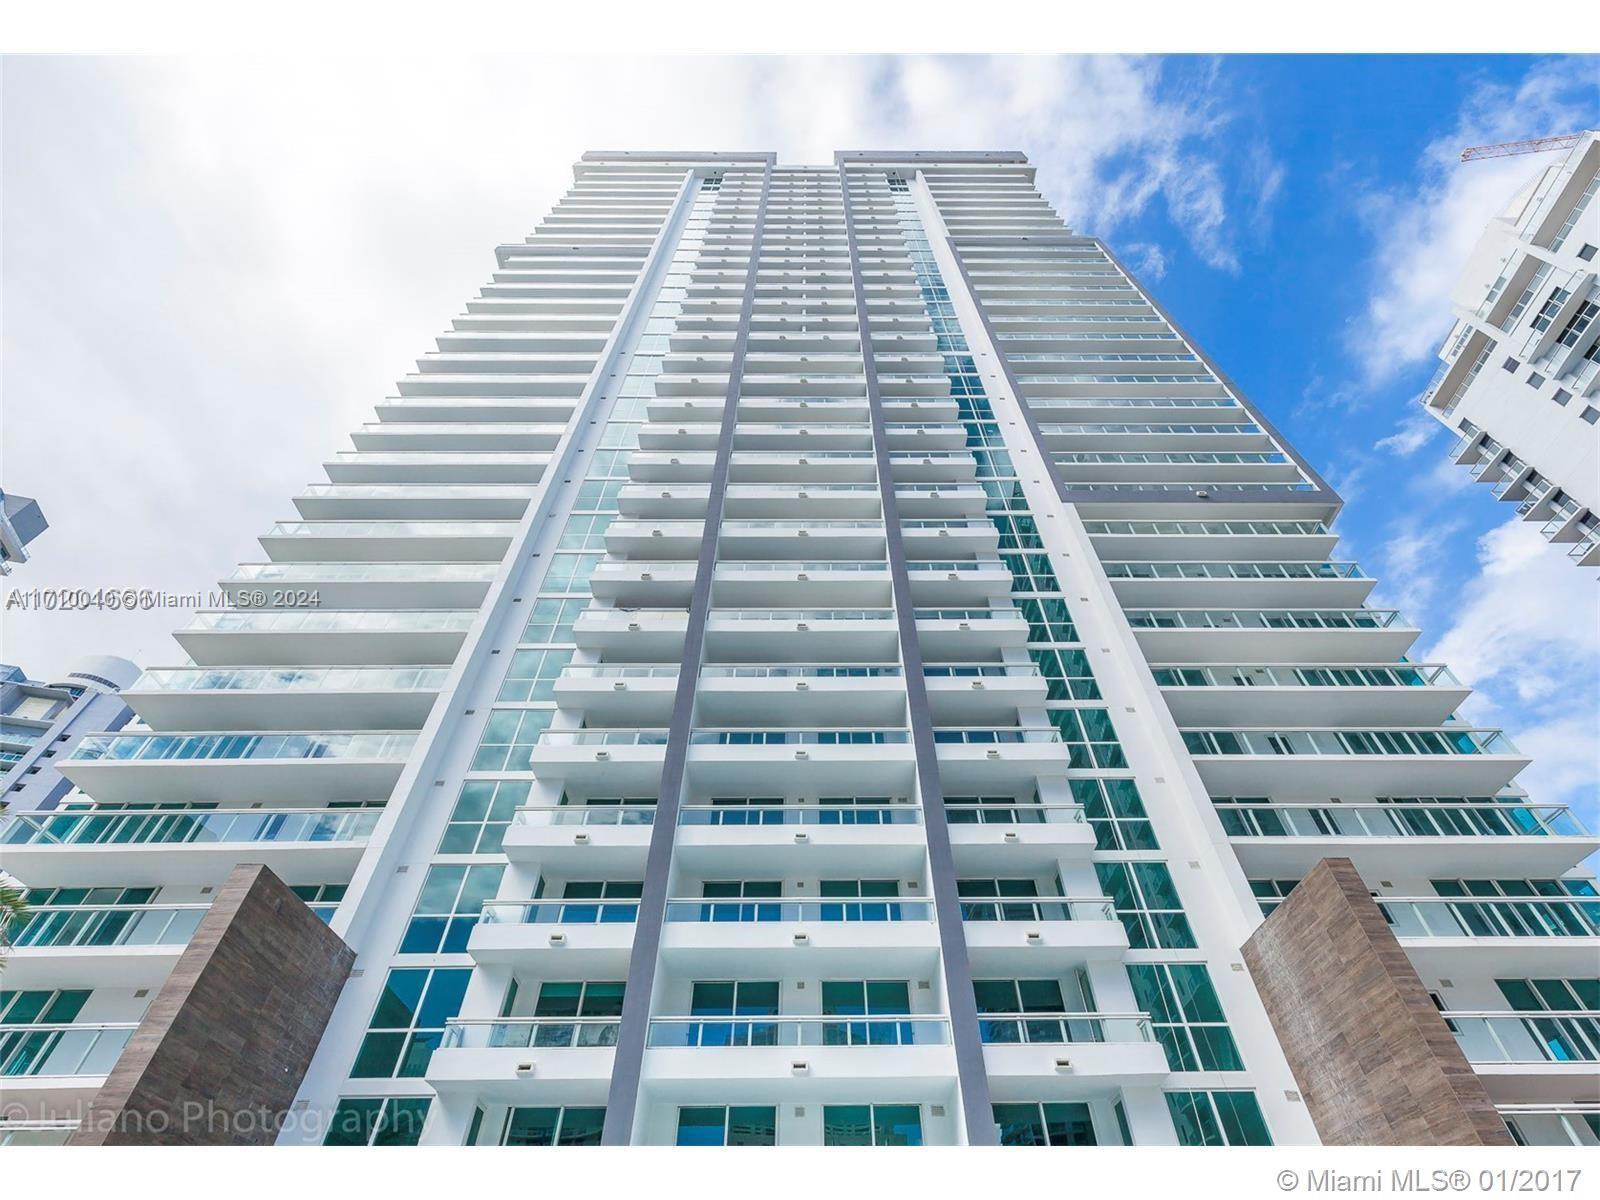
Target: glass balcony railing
1046,1028
103,925
559,912
1527,1037
535,1033
61,1050
803,671
1014,814
1056,908
603,737
1258,618
728,815
1207,528
295,679
333,621
243,747
1400,742
1430,820
736,1031
585,814
169,827
799,737
802,614
779,909
1234,570
1523,917
364,572
379,529
946,735
1340,675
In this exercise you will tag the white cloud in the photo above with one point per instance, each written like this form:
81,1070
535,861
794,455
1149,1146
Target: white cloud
1410,435
1424,234
1145,259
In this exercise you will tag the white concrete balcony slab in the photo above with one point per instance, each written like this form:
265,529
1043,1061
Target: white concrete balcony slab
437,467
285,698
865,694
400,502
1245,591
622,695
1415,694
792,935
989,838
99,945
320,767
814,583
1199,635
957,583
372,586
981,694
630,759
1532,1057
458,434
799,1059
89,848
527,1060
1069,1056
843,635
969,634
557,939
388,541
1454,840
715,840
331,637
1025,937
485,383
1441,761
609,840
1533,937
52,1071
509,410
1176,540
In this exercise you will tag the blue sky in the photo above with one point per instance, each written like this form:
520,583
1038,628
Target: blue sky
228,261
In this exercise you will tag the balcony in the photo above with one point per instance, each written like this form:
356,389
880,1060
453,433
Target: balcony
102,848
558,938
327,767
1246,583
285,698
611,839
1531,1057
1022,937
1535,936
47,1069
1330,694
294,637
388,541
1336,635
370,586
510,1060
99,945
784,934
1068,1056
1027,837
1439,761
383,502
1465,838
787,839
799,1058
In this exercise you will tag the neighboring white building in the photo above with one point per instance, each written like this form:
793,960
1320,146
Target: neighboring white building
1021,675
1520,378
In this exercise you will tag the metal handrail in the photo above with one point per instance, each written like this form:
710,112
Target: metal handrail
1044,908
1363,819
540,1033
799,814
778,908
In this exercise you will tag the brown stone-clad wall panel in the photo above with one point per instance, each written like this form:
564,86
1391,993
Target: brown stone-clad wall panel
1376,1064
224,1045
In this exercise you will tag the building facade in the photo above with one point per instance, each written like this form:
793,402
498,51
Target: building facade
39,721
816,656
21,520
1519,380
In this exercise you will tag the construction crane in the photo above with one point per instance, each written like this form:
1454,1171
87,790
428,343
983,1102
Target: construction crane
1563,141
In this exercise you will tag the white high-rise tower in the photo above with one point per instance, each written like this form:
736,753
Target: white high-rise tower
1519,383
816,657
